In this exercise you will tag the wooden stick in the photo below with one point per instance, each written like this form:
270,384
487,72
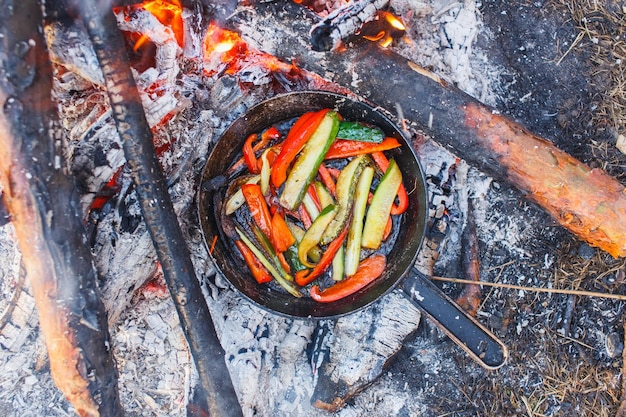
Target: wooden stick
533,289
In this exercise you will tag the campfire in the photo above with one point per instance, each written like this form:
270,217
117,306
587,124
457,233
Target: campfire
134,156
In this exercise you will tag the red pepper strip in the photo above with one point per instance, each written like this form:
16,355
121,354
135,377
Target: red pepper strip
248,154
304,277
314,197
335,172
271,133
281,236
403,198
297,137
327,178
283,262
348,148
369,269
304,217
258,207
258,271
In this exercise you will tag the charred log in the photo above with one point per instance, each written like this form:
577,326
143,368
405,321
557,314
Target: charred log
45,211
344,23
156,206
588,202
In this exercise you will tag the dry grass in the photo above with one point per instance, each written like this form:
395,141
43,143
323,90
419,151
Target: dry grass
602,36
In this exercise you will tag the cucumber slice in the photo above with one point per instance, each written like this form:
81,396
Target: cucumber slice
380,207
308,161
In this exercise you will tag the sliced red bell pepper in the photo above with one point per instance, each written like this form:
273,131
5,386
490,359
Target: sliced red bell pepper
298,135
258,271
304,217
403,199
306,276
281,236
258,207
248,154
271,133
348,148
369,270
327,178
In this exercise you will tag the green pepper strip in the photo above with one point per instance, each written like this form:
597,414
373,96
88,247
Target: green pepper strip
305,277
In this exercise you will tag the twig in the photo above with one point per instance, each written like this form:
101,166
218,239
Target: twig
534,289
621,411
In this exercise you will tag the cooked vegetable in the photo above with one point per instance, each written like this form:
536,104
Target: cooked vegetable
403,199
308,221
259,272
346,184
306,277
369,269
309,160
358,131
380,207
236,200
297,137
353,245
313,236
291,289
348,148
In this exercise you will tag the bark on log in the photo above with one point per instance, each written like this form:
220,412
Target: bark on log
45,212
588,202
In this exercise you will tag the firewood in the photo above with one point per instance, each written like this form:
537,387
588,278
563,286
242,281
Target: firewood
588,202
45,211
156,207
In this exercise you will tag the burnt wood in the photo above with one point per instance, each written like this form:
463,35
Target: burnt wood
45,210
589,203
157,210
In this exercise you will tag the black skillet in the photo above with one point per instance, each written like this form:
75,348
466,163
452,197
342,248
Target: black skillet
462,328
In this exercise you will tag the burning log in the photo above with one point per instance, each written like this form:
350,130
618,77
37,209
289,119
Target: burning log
586,201
45,211
157,208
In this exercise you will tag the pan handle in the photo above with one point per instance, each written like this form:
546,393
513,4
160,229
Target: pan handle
482,345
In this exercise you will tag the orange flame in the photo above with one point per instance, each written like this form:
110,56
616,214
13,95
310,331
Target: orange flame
169,13
384,29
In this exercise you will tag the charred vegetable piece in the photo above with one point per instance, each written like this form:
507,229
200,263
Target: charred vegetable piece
380,207
358,131
291,289
369,270
346,185
353,244
308,161
313,235
298,136
349,148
